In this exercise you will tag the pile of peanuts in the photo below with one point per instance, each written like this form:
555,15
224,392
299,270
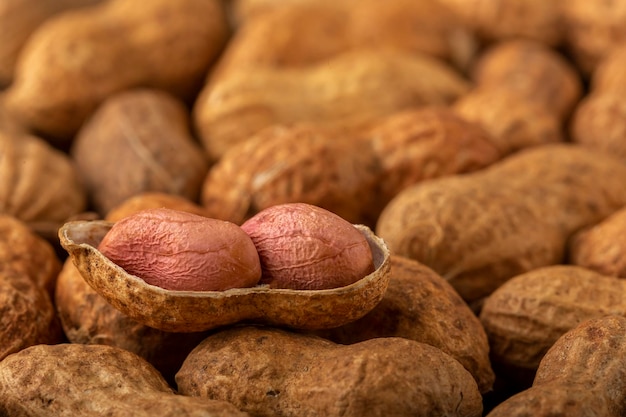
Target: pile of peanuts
472,155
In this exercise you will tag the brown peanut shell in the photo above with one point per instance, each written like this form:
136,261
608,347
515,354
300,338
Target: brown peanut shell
19,19
602,247
75,60
24,251
305,32
610,74
599,123
275,373
287,164
495,20
38,184
480,229
27,316
527,315
93,380
420,305
581,375
420,144
87,318
184,311
137,141
530,71
592,30
349,88
512,122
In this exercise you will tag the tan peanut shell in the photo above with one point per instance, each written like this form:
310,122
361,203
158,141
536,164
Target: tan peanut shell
592,30
512,122
423,143
480,229
19,19
28,270
420,305
351,87
496,20
183,311
599,123
532,72
526,315
328,168
602,247
148,132
24,251
38,184
76,60
581,375
609,76
270,372
93,380
326,28
87,318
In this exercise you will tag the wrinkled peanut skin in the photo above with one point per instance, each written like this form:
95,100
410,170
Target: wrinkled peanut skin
181,251
305,247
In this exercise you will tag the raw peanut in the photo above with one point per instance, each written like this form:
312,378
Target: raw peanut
602,247
348,88
300,33
74,61
148,133
305,247
38,184
184,311
581,375
512,123
19,19
180,251
420,305
271,372
483,228
87,318
328,168
531,71
592,30
70,379
525,316
495,20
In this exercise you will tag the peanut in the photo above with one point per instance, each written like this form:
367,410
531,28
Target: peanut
581,375
351,87
75,60
181,251
93,380
525,316
272,372
420,305
481,229
305,247
148,131
185,311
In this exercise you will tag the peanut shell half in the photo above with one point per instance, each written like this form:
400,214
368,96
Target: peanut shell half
193,311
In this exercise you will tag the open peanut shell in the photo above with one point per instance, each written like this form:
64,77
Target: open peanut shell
193,311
